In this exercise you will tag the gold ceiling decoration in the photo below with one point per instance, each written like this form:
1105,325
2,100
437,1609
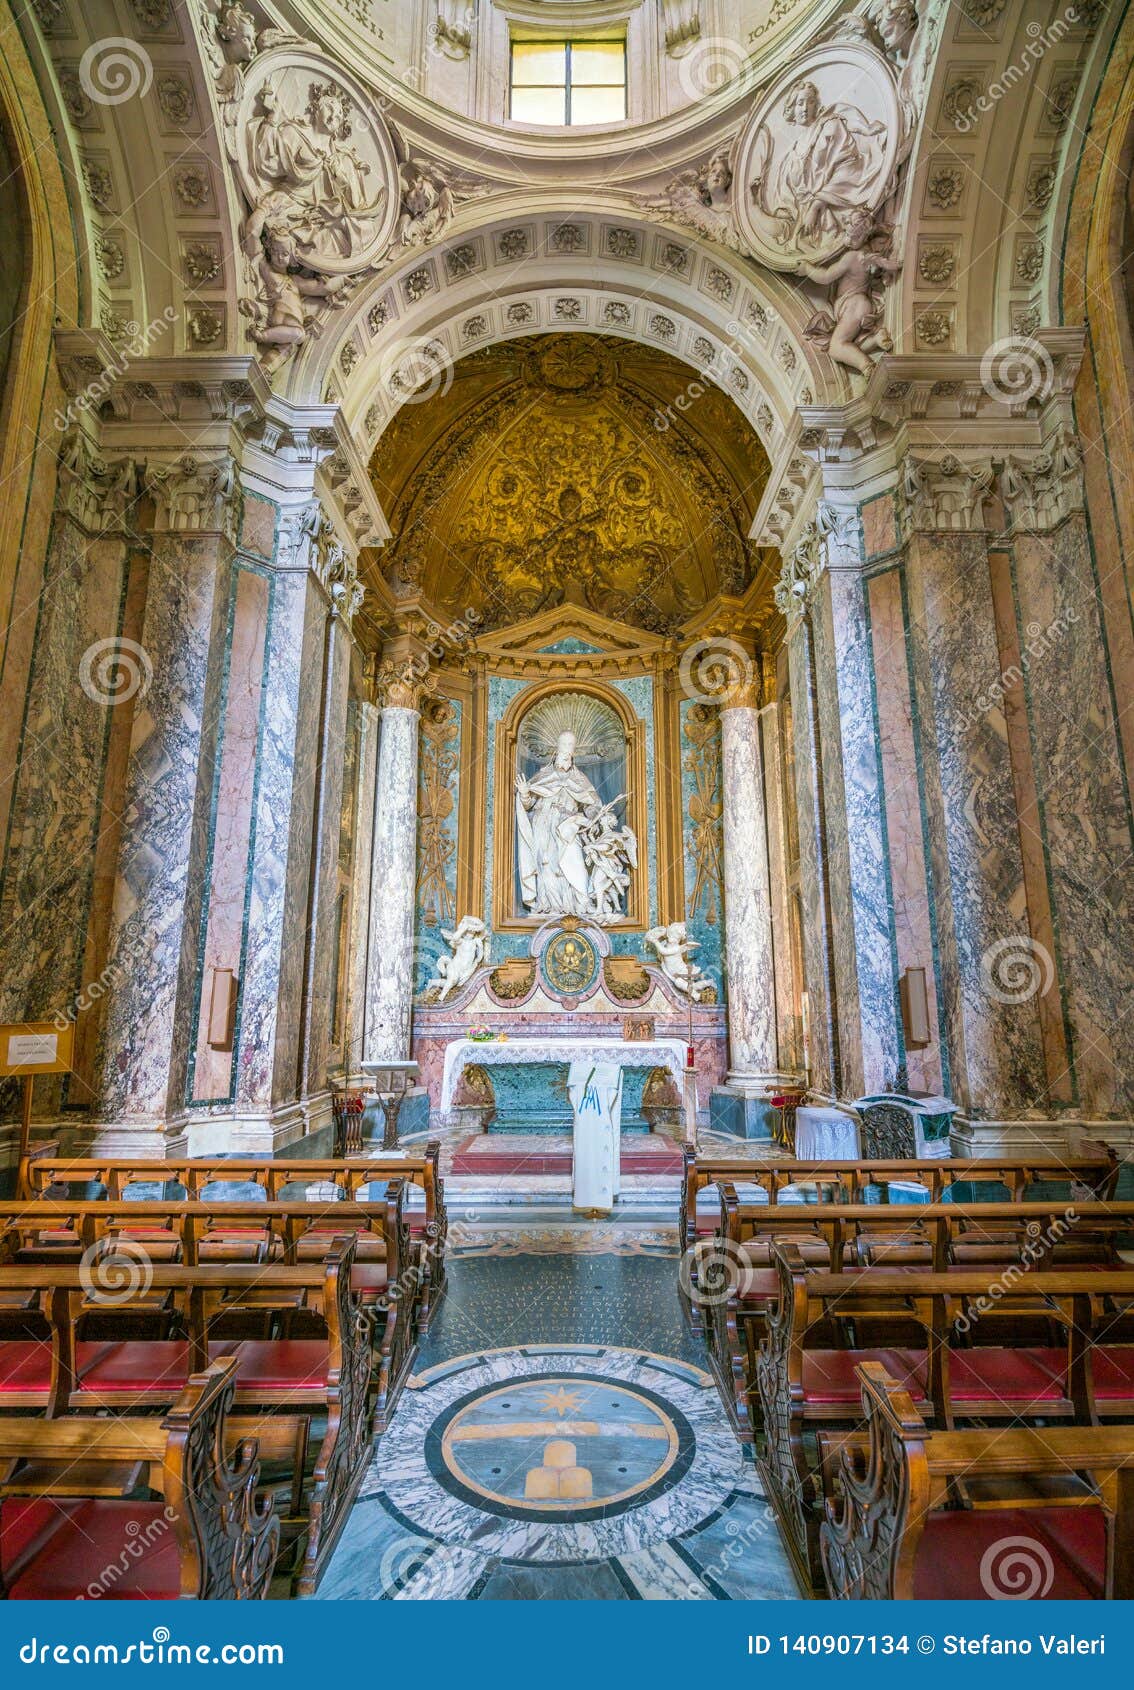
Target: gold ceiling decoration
558,469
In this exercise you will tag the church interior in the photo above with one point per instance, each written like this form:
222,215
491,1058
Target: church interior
566,842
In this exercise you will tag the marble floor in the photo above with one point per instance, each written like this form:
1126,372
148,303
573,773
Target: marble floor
560,1439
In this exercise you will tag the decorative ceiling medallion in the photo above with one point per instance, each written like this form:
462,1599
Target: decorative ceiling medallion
313,156
571,366
811,161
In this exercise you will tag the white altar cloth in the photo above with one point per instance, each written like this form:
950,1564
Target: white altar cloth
825,1135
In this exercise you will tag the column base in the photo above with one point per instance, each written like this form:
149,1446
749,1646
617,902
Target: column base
1049,1137
741,1107
305,1124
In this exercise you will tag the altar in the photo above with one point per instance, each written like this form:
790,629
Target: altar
557,1054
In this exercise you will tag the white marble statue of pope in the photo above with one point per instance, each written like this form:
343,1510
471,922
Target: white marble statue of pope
553,808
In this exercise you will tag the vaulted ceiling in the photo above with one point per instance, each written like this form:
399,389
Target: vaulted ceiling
571,468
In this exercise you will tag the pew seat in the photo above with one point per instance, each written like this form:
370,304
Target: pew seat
207,1533
49,1548
911,1511
957,1543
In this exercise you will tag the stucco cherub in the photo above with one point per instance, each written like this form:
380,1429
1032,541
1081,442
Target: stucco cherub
853,328
469,944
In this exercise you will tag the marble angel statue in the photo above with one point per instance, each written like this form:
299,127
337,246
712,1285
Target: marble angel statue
469,944
610,852
674,950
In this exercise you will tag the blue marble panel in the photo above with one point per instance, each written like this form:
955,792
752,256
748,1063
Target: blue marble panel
435,904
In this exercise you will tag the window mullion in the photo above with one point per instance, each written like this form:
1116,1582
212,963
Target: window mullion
567,90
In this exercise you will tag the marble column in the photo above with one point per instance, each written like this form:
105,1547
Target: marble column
867,1006
784,982
64,749
991,1023
283,1036
1081,798
393,874
157,905
749,955
821,1066
366,780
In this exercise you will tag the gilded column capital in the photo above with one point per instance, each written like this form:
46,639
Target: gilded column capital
402,683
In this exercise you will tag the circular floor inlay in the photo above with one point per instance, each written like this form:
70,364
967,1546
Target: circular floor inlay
559,1446
557,1453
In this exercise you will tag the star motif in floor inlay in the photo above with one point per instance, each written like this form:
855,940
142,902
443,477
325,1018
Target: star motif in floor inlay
561,1401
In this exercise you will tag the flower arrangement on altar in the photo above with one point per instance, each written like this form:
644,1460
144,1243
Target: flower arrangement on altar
483,1035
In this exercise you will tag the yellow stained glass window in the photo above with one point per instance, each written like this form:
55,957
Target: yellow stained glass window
568,83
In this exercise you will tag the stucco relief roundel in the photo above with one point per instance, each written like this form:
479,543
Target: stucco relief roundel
819,151
314,158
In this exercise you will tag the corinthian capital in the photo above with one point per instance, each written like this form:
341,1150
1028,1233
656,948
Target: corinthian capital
194,495
944,494
1041,491
98,493
402,683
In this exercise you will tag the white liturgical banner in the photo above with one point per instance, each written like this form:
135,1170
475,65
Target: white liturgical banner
595,1090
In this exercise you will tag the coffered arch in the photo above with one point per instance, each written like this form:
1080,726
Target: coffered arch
546,266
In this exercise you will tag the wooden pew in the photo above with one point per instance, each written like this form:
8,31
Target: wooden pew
64,1533
387,1276
738,1283
901,1525
327,1378
43,1168
805,1387
1094,1166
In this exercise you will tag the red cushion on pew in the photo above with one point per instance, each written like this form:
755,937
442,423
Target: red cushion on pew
758,1285
25,1365
1114,1372
141,1364
996,1375
370,1279
1070,1543
280,1364
829,1376
57,1549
